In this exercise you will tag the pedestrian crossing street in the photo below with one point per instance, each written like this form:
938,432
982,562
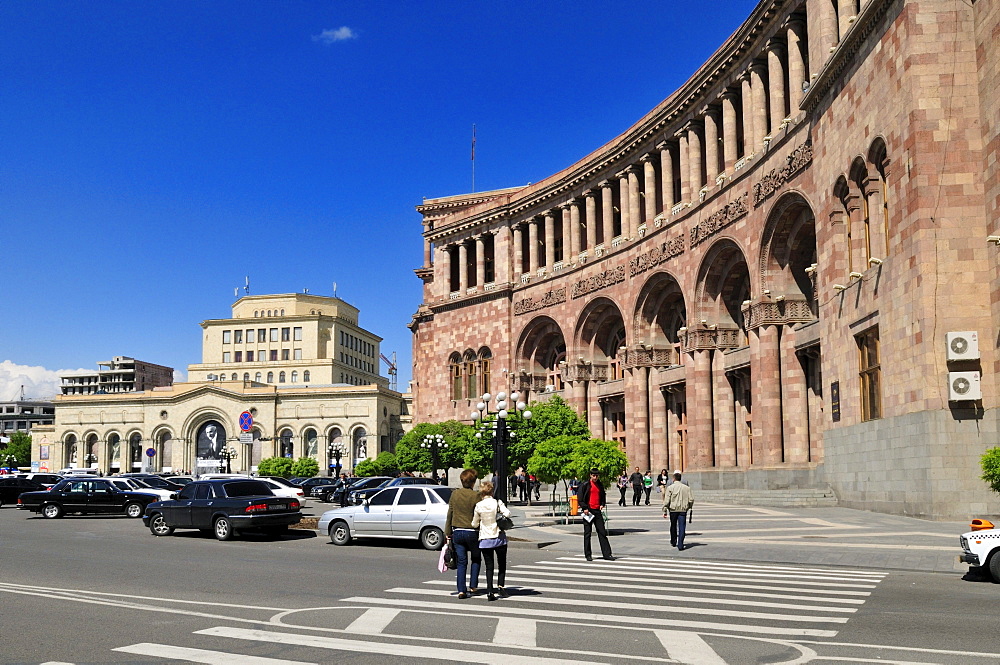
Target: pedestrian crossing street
563,610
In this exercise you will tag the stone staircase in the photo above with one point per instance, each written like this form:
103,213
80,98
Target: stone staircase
783,498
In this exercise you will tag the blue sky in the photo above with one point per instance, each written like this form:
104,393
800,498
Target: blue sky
152,154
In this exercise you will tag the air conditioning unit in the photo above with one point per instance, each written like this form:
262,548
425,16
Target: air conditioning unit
964,386
963,345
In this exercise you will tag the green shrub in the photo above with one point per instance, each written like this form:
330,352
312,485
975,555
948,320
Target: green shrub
275,466
366,467
990,463
305,467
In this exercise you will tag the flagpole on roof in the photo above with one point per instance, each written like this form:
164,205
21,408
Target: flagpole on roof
473,157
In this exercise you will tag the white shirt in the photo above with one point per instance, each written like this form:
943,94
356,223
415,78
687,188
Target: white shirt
485,517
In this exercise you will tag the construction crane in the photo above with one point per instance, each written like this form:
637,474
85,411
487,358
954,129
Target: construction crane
392,369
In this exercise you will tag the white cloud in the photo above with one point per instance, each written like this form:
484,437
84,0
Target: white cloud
332,35
38,382
179,376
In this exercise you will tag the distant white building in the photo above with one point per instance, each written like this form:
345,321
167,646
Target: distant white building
118,375
21,415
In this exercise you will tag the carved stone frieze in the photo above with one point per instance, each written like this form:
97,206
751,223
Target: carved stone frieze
778,313
719,220
775,178
599,281
553,297
699,339
661,253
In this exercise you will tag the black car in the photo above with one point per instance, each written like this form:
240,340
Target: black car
11,488
84,495
154,481
357,496
311,485
328,493
223,507
340,495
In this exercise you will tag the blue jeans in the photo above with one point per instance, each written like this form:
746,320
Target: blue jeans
678,524
466,542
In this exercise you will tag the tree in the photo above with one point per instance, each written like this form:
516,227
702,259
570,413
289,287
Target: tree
553,460
990,463
605,456
275,466
305,467
20,448
549,419
410,456
383,465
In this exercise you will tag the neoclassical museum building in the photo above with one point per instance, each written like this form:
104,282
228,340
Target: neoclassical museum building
781,277
299,364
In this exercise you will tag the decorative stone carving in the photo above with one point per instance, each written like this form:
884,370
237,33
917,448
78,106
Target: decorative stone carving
719,220
599,281
800,158
553,297
778,313
659,254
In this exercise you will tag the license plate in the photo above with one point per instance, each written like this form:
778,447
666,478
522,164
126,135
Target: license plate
278,506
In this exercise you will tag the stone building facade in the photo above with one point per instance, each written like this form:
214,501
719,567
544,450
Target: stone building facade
756,282
298,407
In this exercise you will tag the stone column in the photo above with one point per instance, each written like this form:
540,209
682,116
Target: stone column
666,176
659,457
567,231
766,398
607,213
636,412
444,269
575,232
578,395
694,159
518,252
700,444
590,199
724,408
649,186
685,167
634,203
845,14
427,246
481,260
776,82
757,73
729,130
711,147
824,34
501,266
463,267
623,203
533,246
550,240
797,74
595,417
749,131
794,401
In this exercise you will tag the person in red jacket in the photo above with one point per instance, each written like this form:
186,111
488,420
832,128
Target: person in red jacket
593,502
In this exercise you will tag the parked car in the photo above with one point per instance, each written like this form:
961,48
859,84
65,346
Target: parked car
327,493
223,507
13,487
283,490
287,482
356,496
340,495
413,512
84,495
153,481
136,485
76,471
309,485
46,479
179,480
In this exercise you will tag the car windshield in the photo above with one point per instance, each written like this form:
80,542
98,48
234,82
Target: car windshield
443,492
281,481
246,488
138,483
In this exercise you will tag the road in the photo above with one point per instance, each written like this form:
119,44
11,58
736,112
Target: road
104,590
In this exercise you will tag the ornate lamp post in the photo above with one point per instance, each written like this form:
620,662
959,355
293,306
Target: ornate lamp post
226,456
502,432
434,442
336,451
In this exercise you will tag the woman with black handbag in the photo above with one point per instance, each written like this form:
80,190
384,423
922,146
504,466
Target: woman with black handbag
493,519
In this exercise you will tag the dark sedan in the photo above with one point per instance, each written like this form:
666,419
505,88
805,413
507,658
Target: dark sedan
223,507
341,494
11,488
358,495
84,495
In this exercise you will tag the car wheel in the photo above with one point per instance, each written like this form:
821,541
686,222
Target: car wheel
995,566
133,509
432,538
52,511
340,533
223,528
158,525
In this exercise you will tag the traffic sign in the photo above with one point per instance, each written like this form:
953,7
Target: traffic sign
246,437
246,421
150,452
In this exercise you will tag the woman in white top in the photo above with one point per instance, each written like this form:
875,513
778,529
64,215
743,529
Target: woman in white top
491,538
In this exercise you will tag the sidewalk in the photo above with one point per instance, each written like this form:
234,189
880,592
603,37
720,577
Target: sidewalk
810,536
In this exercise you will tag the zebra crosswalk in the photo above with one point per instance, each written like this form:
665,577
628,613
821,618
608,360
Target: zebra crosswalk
561,610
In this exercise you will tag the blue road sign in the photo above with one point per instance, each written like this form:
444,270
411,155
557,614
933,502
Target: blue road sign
246,421
150,452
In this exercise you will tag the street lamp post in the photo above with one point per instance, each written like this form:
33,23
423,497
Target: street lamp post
336,451
502,432
226,456
434,442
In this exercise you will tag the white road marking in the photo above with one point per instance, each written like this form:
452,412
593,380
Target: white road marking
718,577
202,655
730,572
407,651
512,631
798,543
373,621
688,648
658,561
593,619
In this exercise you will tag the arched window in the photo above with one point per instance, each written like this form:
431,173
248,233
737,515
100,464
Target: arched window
295,377
455,371
305,376
270,377
285,443
311,447
114,450
485,361
71,450
281,377
135,450
255,313
257,377
616,356
360,444
282,312
235,376
222,377
471,387
246,376
879,158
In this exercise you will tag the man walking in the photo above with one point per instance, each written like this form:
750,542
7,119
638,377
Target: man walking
636,481
677,501
593,502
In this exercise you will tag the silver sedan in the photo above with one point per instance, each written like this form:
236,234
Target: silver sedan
416,512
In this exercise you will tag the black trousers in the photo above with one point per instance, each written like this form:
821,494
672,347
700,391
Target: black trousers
648,490
602,534
622,489
636,494
501,553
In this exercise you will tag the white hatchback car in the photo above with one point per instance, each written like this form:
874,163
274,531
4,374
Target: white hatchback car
415,512
136,485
